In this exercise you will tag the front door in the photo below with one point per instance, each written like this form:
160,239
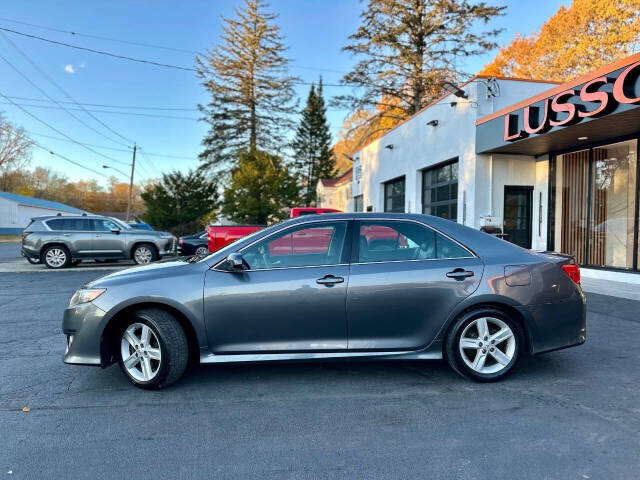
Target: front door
290,298
108,239
517,215
405,280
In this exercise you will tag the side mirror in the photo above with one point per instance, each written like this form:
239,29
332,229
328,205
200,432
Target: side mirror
235,261
116,231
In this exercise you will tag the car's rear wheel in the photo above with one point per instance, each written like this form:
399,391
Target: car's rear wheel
56,256
202,251
484,345
145,253
153,349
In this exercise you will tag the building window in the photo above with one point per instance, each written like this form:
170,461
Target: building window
594,204
440,191
394,195
358,203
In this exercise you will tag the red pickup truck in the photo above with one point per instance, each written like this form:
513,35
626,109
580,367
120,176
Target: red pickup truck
220,235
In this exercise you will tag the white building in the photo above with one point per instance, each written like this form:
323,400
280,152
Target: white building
428,164
335,192
16,211
551,167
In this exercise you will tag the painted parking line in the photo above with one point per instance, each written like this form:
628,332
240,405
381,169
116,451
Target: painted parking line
22,266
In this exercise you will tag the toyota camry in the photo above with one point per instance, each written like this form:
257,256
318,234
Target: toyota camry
348,286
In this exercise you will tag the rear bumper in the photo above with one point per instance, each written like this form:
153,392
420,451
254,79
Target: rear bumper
553,326
26,252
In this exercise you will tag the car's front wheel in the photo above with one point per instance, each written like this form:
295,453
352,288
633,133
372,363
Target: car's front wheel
144,254
484,345
153,349
56,257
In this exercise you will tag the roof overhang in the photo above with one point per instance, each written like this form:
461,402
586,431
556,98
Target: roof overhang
602,105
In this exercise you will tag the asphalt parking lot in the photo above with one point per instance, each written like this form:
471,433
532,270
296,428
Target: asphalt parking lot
571,414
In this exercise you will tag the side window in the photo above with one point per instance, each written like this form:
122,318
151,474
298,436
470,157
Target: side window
100,225
303,246
57,224
400,241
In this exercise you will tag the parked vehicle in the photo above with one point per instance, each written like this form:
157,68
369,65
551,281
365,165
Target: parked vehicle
441,290
299,211
63,240
219,236
196,244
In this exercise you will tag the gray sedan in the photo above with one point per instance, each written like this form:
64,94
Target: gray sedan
386,286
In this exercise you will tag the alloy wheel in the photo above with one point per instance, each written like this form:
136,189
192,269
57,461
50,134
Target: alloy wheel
140,351
143,255
487,345
56,257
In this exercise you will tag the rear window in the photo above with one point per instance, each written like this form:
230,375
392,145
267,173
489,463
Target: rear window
76,224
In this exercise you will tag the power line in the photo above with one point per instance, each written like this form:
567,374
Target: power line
69,160
112,112
177,157
146,45
56,130
132,107
98,37
64,92
140,60
25,77
100,52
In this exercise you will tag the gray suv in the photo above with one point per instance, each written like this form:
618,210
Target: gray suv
62,240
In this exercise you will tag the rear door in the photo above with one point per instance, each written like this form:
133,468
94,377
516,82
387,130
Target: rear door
75,232
405,279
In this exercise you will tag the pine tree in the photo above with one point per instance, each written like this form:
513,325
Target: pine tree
313,155
252,96
408,48
261,191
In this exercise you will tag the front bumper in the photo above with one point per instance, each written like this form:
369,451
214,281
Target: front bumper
553,326
83,325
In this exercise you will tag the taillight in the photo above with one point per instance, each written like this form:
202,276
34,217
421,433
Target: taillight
573,271
180,241
25,234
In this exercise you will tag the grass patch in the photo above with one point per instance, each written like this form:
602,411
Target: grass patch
10,238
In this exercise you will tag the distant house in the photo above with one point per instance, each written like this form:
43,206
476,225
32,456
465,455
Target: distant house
16,211
335,192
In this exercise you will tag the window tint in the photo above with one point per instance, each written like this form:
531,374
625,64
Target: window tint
320,244
100,225
74,224
397,241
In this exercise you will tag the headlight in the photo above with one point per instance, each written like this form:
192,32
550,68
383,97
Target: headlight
85,295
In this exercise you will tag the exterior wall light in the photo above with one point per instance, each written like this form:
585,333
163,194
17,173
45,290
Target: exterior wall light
582,138
433,123
390,146
451,88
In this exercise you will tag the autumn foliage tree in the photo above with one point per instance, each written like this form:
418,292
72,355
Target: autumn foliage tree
574,41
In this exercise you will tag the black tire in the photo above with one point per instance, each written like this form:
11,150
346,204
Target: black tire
138,248
75,263
452,350
56,248
173,346
33,261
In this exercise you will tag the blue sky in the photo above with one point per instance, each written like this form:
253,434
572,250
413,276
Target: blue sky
315,32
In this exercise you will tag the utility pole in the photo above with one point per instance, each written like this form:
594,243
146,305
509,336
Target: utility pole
133,167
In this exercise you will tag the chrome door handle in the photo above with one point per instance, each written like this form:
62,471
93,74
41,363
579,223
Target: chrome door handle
459,273
98,235
329,280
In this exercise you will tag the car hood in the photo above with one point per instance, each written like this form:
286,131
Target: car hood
160,269
147,233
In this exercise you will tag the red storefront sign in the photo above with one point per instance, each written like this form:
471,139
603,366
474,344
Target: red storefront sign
559,111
